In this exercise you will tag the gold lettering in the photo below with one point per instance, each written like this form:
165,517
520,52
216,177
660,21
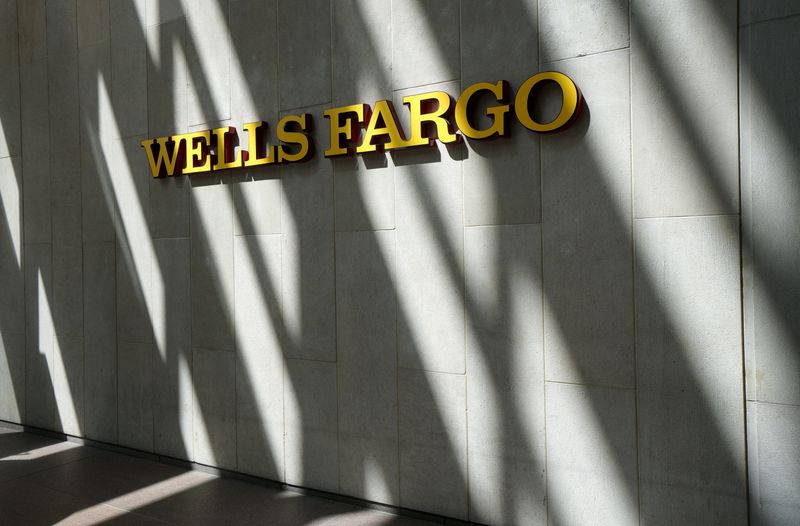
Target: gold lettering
570,103
224,138
437,119
197,158
167,163
300,138
255,140
383,112
499,114
344,123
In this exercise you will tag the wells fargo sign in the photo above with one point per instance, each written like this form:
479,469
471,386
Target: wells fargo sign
433,116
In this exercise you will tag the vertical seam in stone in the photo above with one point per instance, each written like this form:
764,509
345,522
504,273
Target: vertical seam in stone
233,328
278,55
195,396
23,413
284,336
464,299
335,285
154,350
335,328
336,349
49,362
80,197
229,40
743,354
116,339
634,266
330,57
393,274
82,240
541,279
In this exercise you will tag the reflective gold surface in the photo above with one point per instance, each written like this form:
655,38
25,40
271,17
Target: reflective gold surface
432,116
343,125
255,145
499,114
226,156
570,105
424,112
382,123
299,138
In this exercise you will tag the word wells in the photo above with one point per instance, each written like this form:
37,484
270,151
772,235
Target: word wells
218,149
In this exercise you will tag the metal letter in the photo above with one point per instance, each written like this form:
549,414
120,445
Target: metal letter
570,105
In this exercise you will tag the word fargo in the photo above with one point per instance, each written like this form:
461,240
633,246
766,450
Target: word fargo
361,128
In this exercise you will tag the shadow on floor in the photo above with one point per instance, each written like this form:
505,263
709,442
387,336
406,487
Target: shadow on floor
46,480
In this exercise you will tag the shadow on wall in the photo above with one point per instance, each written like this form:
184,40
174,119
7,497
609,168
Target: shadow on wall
353,350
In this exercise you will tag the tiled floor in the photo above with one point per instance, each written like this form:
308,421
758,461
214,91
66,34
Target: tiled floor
47,481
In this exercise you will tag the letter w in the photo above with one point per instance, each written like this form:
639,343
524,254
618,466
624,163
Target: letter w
169,160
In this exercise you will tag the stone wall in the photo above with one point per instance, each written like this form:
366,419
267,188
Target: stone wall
530,330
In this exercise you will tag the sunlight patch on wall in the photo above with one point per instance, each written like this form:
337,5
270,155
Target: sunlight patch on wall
10,198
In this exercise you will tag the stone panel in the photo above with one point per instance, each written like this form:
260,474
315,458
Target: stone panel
39,390
689,369
135,251
505,375
774,463
254,60
96,132
65,176
36,156
362,51
754,11
770,199
167,79
100,336
13,354
308,257
433,435
367,365
502,179
259,356
12,377
32,20
62,36
304,40
591,455
208,51
135,412
430,244
163,11
575,28
257,206
312,451
586,223
172,361
169,207
212,265
9,82
68,384
683,106
365,198
12,312
68,281
488,53
214,380
427,48
93,17
129,67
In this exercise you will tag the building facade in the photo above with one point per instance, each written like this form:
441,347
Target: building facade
594,326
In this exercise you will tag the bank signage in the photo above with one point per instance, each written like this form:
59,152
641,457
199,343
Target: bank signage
432,116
